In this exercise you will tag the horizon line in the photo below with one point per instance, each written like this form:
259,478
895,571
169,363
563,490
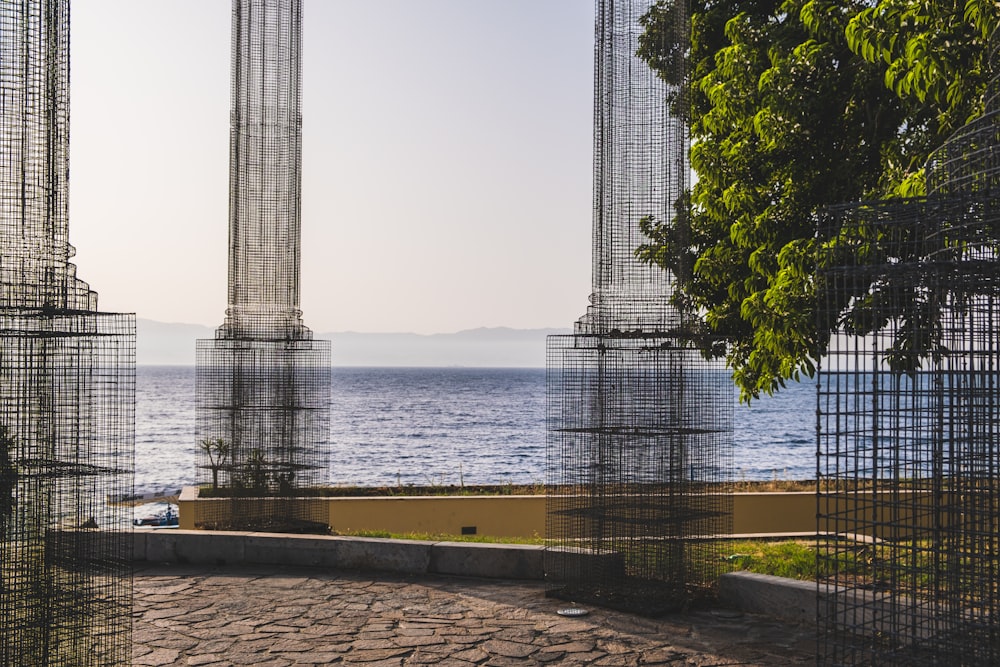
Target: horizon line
379,333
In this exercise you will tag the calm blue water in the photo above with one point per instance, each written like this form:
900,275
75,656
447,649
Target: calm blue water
446,425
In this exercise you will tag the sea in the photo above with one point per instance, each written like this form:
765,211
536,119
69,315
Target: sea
419,426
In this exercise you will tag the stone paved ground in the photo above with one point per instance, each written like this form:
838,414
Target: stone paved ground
283,617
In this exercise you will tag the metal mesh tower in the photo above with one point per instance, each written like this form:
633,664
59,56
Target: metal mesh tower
263,383
638,422
67,381
909,394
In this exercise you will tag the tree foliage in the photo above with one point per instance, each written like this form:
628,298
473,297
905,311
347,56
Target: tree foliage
796,105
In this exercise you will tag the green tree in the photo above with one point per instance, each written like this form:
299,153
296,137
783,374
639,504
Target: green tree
934,56
789,112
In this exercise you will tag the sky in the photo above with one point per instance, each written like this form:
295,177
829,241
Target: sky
447,161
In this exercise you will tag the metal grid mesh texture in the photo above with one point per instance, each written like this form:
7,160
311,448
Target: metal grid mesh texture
263,423
968,163
639,424
907,400
67,390
640,170
263,384
67,382
638,449
908,395
265,157
35,271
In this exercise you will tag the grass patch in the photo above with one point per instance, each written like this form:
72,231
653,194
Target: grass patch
389,491
539,489
791,559
774,485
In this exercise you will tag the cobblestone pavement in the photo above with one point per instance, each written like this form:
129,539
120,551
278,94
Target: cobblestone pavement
284,617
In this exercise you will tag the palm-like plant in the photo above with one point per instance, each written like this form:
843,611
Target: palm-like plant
218,451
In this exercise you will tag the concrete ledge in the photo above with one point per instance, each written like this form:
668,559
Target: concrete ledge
409,556
846,611
475,559
191,546
501,561
138,545
778,597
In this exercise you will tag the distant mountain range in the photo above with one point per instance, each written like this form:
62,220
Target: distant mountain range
161,343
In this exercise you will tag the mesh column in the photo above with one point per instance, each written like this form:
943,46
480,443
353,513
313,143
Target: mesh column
263,383
67,382
639,424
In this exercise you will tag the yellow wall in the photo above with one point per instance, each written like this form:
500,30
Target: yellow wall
193,510
524,516
188,508
500,516
774,512
795,512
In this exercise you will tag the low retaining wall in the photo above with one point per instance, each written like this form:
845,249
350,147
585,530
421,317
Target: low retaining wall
778,513
497,516
471,559
868,613
788,599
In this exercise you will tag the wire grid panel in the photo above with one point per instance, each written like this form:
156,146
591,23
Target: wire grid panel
265,169
639,425
67,381
637,469
968,162
263,384
908,395
263,424
640,170
35,271
67,401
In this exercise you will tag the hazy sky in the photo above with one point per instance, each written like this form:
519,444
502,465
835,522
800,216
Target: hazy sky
446,170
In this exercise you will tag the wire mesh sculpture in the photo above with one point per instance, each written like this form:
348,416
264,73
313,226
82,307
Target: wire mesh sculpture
67,381
909,392
263,383
638,421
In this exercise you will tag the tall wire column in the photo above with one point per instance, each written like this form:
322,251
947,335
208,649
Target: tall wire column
909,391
638,422
263,383
67,381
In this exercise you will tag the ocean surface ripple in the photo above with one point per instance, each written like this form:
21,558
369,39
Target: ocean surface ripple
420,426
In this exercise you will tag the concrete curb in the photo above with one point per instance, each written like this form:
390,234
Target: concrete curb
788,599
499,561
472,559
